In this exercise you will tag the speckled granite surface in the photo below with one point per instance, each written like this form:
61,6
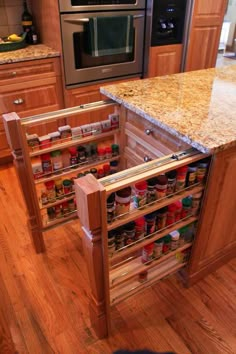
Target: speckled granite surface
39,51
199,107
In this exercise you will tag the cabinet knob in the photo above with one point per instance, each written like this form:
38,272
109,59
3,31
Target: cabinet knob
147,158
148,131
18,101
13,73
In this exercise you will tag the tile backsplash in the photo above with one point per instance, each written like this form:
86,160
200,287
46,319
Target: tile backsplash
10,16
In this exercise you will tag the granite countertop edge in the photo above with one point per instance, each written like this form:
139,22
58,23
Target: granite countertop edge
31,52
155,121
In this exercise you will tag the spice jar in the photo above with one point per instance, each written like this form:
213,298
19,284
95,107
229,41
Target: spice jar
65,208
106,169
59,188
67,186
150,223
151,190
139,228
113,167
94,172
161,186
201,170
187,206
110,207
166,244
44,141
33,141
81,154
170,214
71,205
58,211
140,196
174,239
115,149
86,130
120,240
147,253
65,132
122,198
158,246
37,169
191,174
178,210
56,160
129,231
114,118
44,197
196,200
73,156
181,178
106,125
54,137
50,188
93,149
101,153
171,181
143,276
100,173
76,133
96,128
108,152
46,163
161,218
51,213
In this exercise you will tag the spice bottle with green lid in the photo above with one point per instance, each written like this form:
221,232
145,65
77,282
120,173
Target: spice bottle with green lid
187,206
67,186
115,149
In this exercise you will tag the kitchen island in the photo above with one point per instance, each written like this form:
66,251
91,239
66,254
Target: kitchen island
160,116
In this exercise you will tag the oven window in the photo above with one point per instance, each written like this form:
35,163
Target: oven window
84,60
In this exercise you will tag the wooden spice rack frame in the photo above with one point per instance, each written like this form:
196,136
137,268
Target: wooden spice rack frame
16,131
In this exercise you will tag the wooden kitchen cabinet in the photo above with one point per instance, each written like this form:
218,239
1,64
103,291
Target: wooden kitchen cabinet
204,35
29,88
165,60
88,94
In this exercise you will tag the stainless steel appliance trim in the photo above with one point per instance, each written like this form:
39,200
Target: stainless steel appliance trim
65,6
87,19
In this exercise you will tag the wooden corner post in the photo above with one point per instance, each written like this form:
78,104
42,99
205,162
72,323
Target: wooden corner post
89,201
14,137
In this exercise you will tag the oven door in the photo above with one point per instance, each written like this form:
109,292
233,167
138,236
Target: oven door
81,68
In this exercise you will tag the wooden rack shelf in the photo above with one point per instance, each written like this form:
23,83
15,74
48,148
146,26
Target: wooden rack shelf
74,142
149,208
133,247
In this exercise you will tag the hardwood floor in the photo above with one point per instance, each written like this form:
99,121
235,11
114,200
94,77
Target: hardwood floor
45,297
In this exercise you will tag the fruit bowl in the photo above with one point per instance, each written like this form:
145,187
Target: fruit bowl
7,46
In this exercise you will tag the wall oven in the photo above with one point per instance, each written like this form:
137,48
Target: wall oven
83,68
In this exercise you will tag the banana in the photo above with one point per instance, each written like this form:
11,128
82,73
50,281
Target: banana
14,38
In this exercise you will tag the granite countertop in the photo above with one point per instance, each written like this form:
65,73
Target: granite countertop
198,107
31,52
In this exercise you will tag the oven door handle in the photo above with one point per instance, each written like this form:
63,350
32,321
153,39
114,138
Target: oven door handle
87,19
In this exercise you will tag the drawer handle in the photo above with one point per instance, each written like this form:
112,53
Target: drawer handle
18,101
148,131
147,158
13,73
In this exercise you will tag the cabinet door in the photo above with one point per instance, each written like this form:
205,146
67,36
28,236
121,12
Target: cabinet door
216,241
165,60
204,34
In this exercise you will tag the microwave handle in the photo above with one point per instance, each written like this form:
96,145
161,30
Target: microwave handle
87,19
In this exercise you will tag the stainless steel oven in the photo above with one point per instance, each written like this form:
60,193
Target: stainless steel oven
82,68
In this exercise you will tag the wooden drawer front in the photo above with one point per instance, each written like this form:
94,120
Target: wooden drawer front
159,138
3,141
29,101
30,70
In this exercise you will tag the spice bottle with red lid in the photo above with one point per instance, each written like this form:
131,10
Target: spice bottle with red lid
73,156
139,228
170,214
181,178
147,253
140,197
51,192
46,163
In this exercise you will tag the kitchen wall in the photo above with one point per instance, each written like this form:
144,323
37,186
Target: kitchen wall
231,11
10,17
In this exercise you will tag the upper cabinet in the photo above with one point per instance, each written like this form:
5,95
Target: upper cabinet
204,34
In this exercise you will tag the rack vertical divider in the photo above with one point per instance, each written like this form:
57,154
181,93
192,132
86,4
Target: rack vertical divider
16,129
